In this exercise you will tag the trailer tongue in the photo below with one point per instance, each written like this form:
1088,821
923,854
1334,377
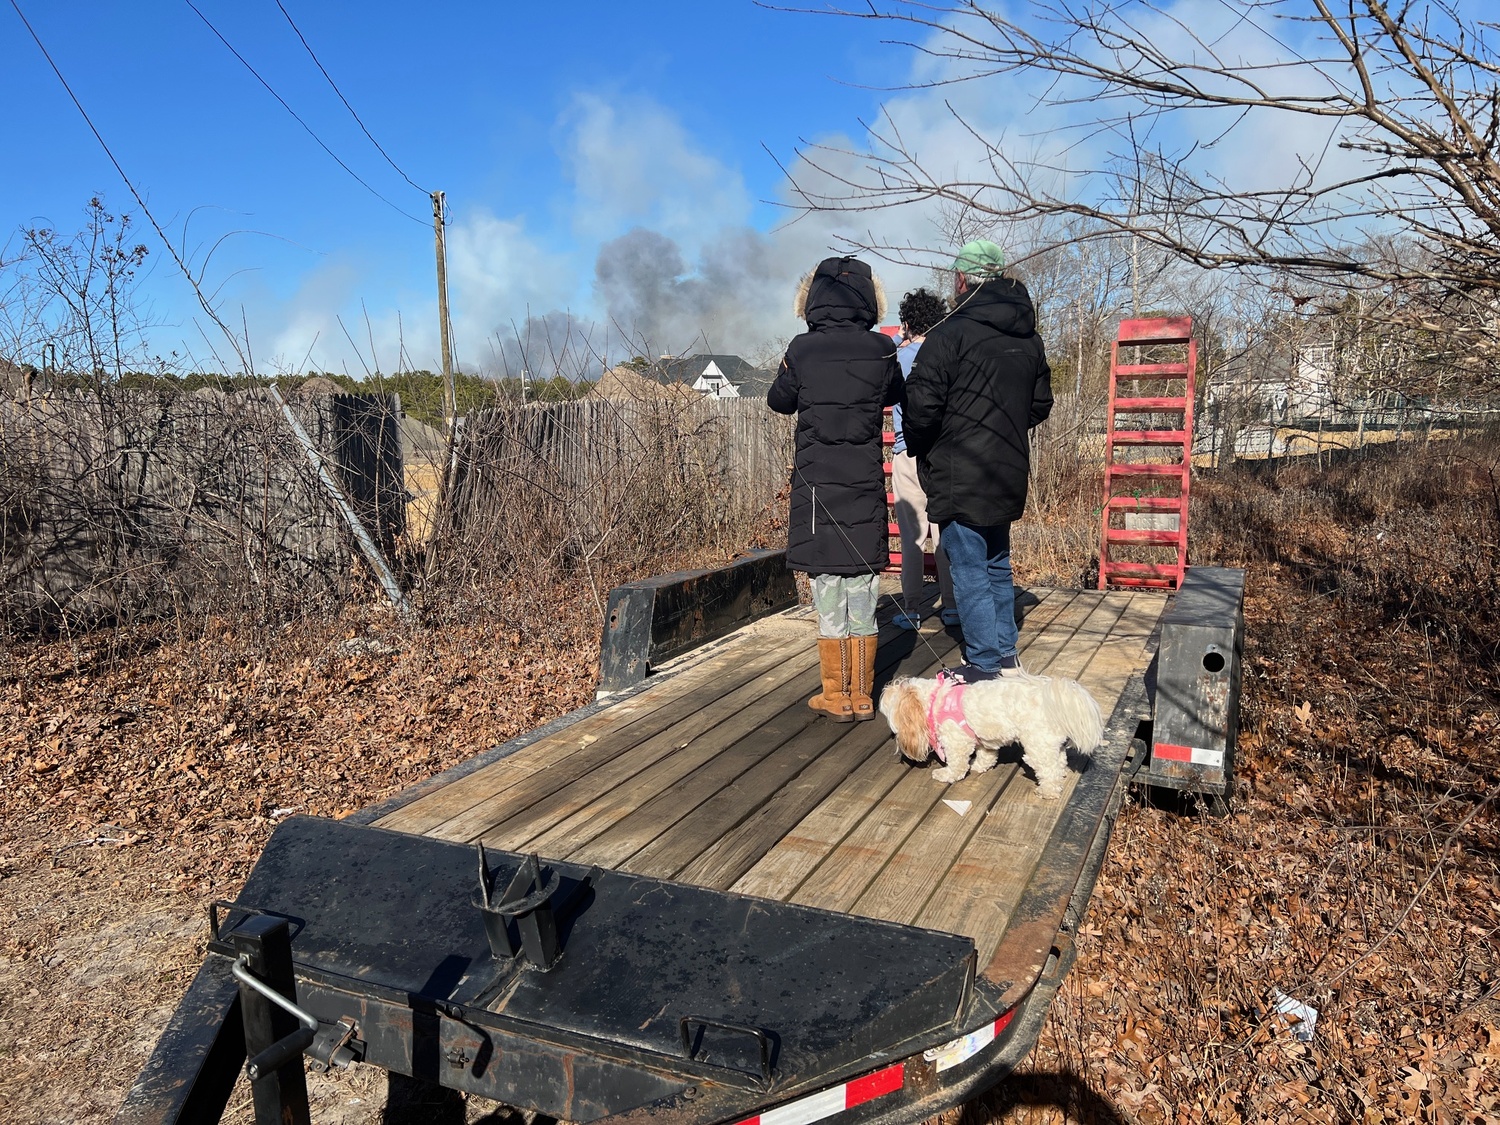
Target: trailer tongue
656,993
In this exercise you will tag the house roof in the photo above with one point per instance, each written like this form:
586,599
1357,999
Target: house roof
756,383
687,369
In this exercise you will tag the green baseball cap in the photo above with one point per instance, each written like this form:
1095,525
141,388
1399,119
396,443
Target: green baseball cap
980,257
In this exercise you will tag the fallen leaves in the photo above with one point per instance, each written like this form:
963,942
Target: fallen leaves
1359,873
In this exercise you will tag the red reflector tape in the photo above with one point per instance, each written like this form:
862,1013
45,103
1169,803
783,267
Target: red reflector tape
1196,755
861,1090
836,1099
965,1047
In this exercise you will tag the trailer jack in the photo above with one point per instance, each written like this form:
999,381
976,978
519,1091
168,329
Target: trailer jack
278,1032
330,1046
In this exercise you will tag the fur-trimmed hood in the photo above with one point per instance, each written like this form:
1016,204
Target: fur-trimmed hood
840,291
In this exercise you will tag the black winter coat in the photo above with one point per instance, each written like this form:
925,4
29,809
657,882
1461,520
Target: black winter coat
837,378
978,385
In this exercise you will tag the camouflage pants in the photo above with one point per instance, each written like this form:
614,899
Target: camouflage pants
846,604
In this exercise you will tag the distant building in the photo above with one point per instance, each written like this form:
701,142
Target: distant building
717,376
684,377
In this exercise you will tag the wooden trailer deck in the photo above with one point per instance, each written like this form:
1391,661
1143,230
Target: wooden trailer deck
718,774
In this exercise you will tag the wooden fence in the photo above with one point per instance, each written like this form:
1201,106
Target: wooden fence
603,476
114,503
119,502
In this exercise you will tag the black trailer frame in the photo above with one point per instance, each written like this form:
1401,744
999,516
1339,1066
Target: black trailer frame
306,961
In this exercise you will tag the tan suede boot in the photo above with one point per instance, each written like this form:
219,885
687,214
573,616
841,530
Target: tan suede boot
862,661
833,700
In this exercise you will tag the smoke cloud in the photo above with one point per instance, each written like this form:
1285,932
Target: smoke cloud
727,301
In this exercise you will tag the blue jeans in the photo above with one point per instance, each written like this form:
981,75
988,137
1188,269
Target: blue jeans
979,560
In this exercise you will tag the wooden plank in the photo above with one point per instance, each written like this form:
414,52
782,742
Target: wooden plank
784,868
1050,602
751,839
617,822
1056,634
746,842
624,821
910,876
981,889
794,857
851,865
983,884
545,802
890,839
1054,603
1090,633
1123,652
641,716
552,762
783,771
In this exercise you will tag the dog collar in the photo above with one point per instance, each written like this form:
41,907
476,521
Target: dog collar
946,705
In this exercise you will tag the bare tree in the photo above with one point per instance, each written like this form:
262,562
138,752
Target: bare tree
76,294
1405,98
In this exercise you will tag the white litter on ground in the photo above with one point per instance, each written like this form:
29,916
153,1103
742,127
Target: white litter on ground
1302,1017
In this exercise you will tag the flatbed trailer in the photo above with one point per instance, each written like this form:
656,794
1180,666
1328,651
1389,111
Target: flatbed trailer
695,900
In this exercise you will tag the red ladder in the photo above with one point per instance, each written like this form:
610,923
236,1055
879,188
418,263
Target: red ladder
1147,471
892,528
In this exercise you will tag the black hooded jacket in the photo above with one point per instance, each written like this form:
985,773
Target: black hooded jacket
978,385
837,377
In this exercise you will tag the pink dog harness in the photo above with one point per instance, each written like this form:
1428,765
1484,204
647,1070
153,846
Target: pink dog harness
946,705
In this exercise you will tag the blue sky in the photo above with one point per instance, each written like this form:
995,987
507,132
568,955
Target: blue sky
606,164
553,128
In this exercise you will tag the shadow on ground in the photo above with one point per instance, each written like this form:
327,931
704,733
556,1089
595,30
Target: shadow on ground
1061,1098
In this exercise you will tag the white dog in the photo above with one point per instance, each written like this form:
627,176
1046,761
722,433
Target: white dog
964,724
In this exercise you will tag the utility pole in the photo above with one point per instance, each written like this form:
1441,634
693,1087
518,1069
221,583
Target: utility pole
450,399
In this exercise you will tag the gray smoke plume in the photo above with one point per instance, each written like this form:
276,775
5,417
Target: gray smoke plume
554,343
737,297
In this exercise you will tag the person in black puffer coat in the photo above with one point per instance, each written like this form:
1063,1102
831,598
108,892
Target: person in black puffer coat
979,384
838,377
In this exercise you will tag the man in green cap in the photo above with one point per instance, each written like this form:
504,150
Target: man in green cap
978,386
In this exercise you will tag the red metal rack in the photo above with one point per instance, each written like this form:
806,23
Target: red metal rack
893,529
1148,468
888,439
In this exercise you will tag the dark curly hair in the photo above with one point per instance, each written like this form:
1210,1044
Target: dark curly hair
921,309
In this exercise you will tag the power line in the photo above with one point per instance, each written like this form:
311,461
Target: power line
345,100
295,116
366,544
140,202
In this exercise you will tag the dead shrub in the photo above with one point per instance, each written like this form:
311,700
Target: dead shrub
1357,871
584,495
1057,540
123,505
